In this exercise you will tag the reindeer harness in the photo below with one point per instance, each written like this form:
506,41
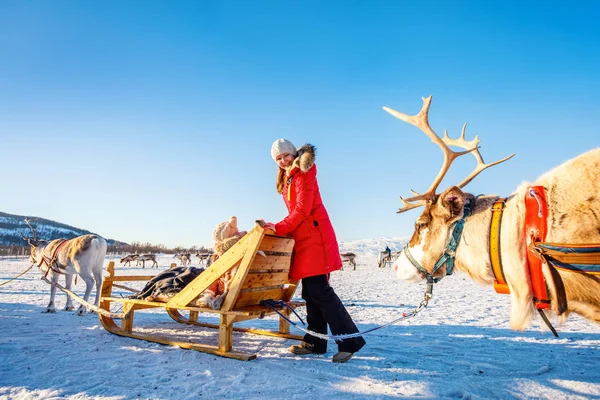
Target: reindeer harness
447,257
53,263
536,213
580,258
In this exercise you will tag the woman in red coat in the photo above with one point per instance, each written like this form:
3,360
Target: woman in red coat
316,251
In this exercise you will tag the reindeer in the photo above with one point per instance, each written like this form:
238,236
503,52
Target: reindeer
129,258
83,255
573,216
146,257
386,258
348,258
383,259
202,257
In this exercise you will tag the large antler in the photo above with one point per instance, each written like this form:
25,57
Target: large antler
421,121
32,230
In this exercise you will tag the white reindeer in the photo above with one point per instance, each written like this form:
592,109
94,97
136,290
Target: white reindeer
572,191
83,255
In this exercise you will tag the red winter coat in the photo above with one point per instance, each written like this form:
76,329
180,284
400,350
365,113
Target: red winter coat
316,250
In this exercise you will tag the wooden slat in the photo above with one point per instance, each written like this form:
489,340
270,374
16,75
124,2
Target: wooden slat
238,279
254,280
149,304
277,243
289,292
254,298
271,262
258,309
212,273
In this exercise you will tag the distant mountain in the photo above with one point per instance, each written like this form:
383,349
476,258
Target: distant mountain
12,227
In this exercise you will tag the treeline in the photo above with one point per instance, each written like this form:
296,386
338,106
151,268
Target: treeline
14,250
149,248
117,248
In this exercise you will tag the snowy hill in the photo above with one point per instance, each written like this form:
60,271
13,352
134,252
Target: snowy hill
12,227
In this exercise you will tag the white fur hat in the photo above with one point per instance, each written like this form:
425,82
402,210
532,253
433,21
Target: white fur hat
281,146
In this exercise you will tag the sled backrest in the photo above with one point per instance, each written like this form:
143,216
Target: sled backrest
263,261
268,274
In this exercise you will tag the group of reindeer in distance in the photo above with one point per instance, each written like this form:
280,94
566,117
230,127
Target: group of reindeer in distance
384,259
570,193
184,258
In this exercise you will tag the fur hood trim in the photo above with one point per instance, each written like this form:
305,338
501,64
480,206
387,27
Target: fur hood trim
305,159
303,162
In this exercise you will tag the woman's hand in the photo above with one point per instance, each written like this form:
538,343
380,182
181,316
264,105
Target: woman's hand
266,225
270,226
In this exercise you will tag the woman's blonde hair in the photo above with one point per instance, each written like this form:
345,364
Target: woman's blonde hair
281,173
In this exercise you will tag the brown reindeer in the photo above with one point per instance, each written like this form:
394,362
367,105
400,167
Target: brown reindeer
349,258
83,255
572,191
384,259
146,257
202,257
128,259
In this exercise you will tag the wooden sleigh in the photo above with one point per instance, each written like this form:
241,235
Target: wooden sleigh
263,260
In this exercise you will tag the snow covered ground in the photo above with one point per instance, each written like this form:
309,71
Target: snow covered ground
459,347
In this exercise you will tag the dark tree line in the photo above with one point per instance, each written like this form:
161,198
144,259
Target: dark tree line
118,248
147,248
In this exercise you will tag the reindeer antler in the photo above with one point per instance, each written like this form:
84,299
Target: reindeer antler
32,230
421,121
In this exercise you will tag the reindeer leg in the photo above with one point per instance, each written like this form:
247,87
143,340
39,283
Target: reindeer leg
51,308
89,282
68,283
98,279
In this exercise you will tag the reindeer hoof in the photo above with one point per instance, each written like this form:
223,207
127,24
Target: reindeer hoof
68,308
81,311
49,311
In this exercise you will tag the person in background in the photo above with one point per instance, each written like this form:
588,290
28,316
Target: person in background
316,253
388,251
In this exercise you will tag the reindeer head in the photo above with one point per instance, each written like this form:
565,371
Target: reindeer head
34,243
430,251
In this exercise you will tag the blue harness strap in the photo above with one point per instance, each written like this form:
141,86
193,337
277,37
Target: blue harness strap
580,258
569,248
449,253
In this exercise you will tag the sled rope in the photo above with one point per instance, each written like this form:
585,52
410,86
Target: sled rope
422,305
21,274
82,301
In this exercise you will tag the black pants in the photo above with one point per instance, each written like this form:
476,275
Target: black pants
323,307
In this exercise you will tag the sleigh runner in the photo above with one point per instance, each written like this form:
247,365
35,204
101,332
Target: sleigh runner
263,261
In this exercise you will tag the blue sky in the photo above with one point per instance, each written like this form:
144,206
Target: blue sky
152,121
